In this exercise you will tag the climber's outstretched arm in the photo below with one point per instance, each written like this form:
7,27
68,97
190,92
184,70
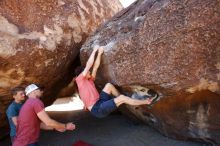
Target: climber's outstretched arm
90,62
97,62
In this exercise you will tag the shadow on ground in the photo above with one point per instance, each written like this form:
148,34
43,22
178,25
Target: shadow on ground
114,130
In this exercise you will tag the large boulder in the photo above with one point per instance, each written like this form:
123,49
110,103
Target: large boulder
172,47
39,41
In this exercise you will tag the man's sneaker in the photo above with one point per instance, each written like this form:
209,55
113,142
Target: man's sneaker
135,95
154,98
149,94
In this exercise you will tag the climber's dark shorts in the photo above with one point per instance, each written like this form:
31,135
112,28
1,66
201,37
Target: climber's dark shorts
104,106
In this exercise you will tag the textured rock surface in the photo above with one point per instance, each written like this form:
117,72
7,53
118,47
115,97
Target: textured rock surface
183,116
172,47
39,41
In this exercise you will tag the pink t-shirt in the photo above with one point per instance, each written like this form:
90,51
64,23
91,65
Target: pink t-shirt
87,90
28,128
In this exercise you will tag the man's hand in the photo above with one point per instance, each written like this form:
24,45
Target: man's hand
70,126
61,130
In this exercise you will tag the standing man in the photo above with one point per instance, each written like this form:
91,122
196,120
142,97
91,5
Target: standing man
14,108
100,105
32,117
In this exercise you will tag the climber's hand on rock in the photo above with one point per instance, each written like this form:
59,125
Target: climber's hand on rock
101,50
95,48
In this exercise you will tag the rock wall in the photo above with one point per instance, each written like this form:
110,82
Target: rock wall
39,41
172,47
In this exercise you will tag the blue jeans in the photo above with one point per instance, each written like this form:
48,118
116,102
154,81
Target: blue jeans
33,144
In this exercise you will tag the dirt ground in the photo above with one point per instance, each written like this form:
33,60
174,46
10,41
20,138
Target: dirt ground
114,130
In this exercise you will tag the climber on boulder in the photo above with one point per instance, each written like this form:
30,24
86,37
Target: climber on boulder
100,105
